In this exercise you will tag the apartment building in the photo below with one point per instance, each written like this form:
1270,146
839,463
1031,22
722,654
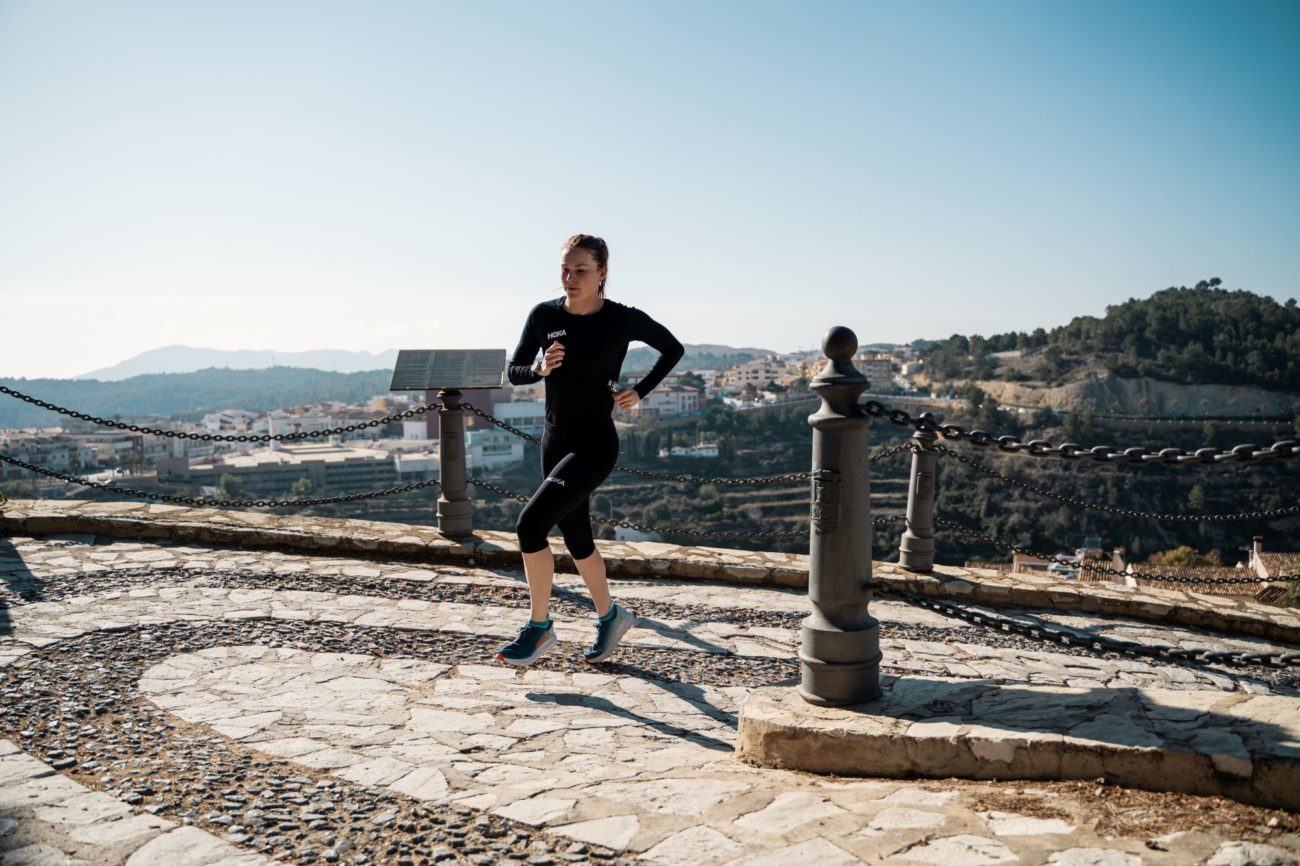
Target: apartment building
878,368
49,449
331,469
668,401
757,373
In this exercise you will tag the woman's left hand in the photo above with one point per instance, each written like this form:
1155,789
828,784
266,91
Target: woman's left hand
627,398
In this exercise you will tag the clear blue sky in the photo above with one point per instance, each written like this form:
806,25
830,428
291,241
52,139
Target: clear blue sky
297,175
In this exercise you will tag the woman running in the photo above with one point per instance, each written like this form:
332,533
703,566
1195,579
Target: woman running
585,337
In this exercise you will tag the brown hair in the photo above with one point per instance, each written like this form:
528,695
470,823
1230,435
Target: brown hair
596,246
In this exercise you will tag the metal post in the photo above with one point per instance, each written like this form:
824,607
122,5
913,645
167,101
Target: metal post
839,656
455,510
916,548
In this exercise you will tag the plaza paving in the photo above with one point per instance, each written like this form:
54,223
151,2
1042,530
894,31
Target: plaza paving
170,703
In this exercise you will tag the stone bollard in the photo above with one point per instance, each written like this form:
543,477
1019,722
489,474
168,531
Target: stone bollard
839,656
455,509
916,548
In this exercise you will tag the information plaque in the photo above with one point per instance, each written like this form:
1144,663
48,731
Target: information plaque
462,369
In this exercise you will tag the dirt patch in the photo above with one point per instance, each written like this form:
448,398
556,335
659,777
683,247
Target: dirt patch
1115,811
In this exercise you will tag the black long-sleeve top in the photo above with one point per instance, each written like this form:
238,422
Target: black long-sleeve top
577,394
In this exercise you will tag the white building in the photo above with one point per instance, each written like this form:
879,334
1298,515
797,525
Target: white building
757,373
878,368
492,448
668,401
528,416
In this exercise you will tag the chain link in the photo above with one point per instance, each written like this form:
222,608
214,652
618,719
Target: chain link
1106,569
217,437
682,478
1272,514
655,530
1284,450
1095,643
218,503
679,478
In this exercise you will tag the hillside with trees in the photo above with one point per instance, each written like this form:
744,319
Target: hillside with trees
165,394
1200,335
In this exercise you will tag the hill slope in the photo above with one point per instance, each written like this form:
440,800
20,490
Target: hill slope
1204,335
180,393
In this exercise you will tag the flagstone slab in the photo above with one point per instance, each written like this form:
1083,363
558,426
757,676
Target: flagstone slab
1246,747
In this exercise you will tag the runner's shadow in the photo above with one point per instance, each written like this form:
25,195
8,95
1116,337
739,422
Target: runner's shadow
572,699
16,580
681,634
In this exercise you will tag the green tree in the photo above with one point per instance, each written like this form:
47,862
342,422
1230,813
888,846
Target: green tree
18,489
230,487
302,487
727,448
1196,498
1184,557
691,379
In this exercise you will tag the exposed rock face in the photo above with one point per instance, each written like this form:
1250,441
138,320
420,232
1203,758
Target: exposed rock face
1145,396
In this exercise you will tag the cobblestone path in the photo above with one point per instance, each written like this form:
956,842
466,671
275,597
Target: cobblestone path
167,704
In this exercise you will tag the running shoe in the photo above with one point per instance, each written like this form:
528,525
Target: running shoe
528,646
608,633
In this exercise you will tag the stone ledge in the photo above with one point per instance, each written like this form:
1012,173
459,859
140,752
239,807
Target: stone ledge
635,559
1234,745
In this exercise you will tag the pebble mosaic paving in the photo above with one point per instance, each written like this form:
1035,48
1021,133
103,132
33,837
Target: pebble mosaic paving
180,704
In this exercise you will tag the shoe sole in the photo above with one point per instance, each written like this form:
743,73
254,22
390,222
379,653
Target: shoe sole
623,628
542,649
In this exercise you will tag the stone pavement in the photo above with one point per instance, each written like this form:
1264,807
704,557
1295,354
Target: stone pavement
167,703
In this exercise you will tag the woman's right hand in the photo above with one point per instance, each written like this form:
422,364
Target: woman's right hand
552,359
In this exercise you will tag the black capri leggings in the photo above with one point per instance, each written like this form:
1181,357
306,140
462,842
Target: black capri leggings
575,464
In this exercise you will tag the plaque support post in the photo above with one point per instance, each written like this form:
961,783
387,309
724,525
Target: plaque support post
839,655
916,548
455,510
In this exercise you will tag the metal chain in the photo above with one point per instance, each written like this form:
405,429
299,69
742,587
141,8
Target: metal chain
662,476
217,437
1096,643
220,503
1272,514
1283,450
1106,569
682,478
655,530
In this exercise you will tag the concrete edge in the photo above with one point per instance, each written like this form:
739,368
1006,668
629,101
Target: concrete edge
627,559
778,729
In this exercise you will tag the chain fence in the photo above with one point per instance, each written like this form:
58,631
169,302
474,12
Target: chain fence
1283,450
201,501
1271,514
218,437
656,530
1101,644
1106,569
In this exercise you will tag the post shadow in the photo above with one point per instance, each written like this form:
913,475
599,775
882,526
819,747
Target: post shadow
17,580
604,705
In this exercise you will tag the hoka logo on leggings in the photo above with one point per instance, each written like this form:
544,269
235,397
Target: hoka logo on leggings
554,480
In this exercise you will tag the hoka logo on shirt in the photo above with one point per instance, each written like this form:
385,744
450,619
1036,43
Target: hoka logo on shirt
560,333
554,480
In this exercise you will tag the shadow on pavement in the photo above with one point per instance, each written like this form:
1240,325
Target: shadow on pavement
572,699
16,580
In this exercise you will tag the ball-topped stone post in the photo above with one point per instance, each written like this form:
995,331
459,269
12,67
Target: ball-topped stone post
839,656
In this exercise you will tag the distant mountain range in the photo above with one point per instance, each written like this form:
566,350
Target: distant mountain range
188,359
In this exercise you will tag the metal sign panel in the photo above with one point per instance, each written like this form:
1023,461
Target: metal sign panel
422,369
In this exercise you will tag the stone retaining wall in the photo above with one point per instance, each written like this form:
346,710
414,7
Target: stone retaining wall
635,559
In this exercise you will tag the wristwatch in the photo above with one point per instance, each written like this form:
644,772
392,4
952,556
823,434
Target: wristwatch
537,367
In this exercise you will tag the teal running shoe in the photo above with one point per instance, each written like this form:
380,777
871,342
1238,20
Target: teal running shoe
608,633
528,646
